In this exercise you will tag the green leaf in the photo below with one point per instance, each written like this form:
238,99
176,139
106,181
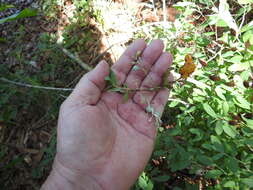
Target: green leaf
225,15
236,59
239,67
3,7
219,91
199,134
179,165
217,156
219,127
242,2
242,102
217,145
125,97
111,78
116,90
221,23
248,142
232,164
205,160
230,130
162,178
202,42
228,54
22,14
172,104
225,107
144,182
2,40
247,27
230,184
215,139
213,174
248,181
247,36
209,110
249,122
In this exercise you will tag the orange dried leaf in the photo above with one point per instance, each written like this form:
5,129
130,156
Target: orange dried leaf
188,68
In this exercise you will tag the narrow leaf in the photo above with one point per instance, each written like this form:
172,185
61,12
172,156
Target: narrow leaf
230,130
209,110
22,14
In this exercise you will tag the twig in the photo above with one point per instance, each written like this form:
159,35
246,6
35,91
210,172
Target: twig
76,59
34,86
243,20
216,54
180,101
143,89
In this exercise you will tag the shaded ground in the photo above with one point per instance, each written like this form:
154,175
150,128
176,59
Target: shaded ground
28,117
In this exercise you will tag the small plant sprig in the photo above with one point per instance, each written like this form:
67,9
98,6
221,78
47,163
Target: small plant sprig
112,86
186,70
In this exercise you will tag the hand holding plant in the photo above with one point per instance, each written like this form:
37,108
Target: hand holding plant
104,141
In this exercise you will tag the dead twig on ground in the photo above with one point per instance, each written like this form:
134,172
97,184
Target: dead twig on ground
34,86
76,59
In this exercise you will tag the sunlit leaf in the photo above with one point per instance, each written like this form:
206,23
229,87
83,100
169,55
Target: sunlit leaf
219,127
242,2
209,110
249,122
225,15
239,67
230,130
242,102
220,92
213,174
248,181
230,184
22,14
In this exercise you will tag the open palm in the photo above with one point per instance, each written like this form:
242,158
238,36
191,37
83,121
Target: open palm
103,137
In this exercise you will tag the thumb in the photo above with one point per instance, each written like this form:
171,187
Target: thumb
89,88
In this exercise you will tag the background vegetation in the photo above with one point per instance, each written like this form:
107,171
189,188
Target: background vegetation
206,140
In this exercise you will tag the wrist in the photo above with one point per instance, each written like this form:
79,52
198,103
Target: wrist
62,178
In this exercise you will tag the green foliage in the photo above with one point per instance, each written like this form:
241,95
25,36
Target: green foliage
210,137
22,14
3,7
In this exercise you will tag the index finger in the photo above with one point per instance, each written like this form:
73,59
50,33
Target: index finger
123,66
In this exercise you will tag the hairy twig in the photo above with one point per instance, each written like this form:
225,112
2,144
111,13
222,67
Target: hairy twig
142,89
180,101
34,86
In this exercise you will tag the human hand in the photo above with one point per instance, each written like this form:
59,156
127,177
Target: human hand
103,142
